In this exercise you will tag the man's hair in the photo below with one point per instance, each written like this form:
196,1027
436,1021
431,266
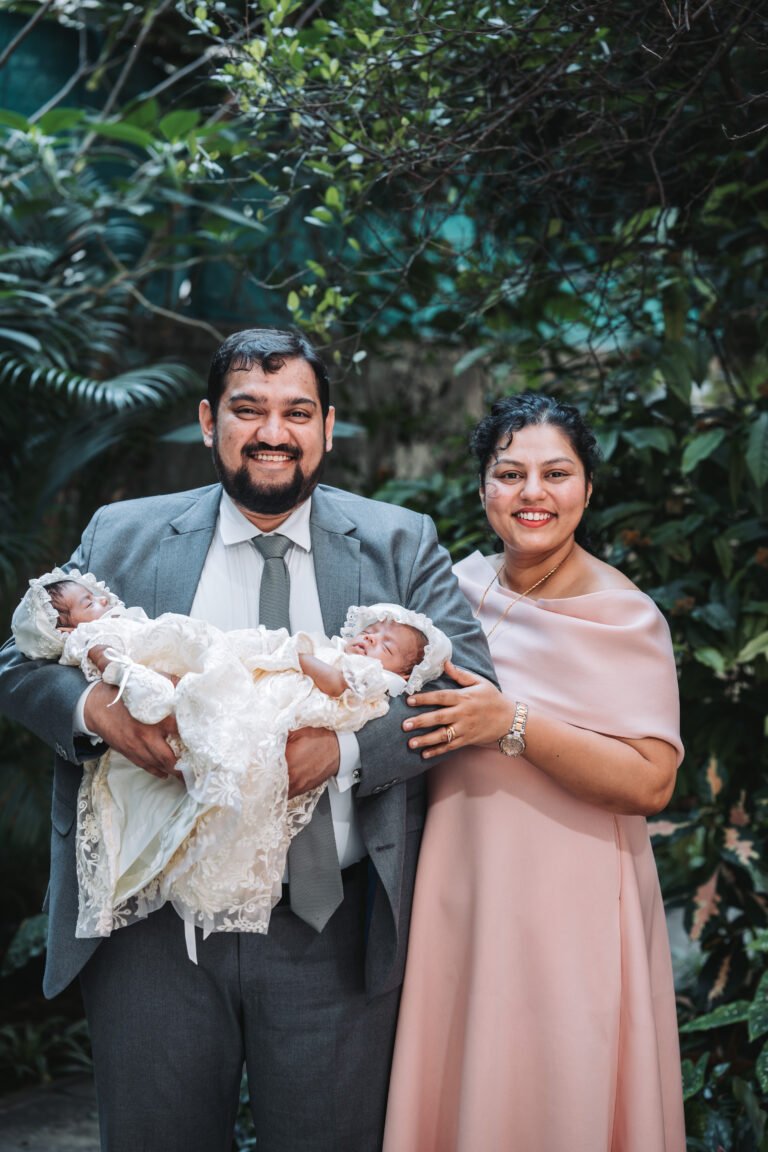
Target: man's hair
268,349
56,593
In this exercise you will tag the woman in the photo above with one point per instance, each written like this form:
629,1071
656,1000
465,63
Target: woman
538,1010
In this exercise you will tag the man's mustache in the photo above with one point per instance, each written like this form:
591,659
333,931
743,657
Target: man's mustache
286,449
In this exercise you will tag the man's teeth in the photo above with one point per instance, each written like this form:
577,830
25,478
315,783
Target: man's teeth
534,515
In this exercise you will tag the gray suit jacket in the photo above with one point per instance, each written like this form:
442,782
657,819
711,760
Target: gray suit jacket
151,553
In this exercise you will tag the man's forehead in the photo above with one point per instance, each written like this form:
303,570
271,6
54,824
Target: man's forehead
295,377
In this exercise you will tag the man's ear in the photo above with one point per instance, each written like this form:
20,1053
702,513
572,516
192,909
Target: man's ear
330,420
207,422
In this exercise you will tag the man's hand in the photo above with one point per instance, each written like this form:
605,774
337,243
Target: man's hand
143,744
313,757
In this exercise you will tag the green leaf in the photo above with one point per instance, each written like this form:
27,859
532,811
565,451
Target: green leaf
60,119
13,120
711,658
758,1013
469,359
332,197
119,130
607,439
23,338
28,942
700,448
761,1069
734,1013
176,125
724,552
694,1076
716,615
757,450
757,646
661,439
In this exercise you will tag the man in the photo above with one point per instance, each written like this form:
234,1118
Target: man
311,1007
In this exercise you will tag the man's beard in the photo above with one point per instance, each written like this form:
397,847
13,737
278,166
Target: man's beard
272,499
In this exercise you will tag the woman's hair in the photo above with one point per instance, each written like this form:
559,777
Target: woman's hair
512,413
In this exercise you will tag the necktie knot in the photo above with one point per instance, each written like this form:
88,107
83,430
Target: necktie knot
271,547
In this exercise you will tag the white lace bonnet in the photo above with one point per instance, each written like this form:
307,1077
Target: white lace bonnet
438,648
34,621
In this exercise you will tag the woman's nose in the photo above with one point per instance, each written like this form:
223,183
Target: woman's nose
532,488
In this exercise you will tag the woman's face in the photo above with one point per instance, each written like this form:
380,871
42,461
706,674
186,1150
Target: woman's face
535,490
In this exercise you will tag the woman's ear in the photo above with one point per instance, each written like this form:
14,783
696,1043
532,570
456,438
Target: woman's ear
481,493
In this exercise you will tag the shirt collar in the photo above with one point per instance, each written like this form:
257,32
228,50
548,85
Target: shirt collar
234,527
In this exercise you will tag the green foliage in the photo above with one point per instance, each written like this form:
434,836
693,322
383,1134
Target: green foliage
544,179
28,942
245,1135
33,1053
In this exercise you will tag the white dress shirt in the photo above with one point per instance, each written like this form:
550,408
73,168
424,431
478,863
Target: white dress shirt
228,597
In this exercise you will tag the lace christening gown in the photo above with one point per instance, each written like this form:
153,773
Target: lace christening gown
213,845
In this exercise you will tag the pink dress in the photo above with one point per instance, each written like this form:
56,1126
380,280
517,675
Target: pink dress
538,1011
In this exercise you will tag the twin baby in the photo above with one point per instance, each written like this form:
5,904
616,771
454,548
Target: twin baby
214,842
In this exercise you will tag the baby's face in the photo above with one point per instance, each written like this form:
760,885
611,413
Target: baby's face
397,646
80,606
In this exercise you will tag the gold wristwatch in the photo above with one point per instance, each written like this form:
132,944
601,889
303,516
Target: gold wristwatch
512,743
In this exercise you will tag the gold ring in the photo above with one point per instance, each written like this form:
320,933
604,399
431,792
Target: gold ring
450,734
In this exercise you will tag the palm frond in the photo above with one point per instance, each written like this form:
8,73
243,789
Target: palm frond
154,385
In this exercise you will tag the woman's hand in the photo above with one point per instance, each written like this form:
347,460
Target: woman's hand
475,713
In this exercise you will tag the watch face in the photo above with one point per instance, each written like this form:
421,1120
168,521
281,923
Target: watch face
512,744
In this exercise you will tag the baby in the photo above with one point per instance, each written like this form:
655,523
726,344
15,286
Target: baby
215,845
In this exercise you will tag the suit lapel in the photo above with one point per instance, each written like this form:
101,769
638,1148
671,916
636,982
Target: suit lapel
181,554
336,556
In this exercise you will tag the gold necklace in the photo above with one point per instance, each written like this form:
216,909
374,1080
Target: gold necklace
519,596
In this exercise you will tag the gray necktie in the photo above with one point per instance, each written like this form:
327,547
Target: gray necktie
313,864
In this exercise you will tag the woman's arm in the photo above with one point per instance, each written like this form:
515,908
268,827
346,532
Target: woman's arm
634,777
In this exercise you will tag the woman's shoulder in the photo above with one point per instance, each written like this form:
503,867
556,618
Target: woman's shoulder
594,575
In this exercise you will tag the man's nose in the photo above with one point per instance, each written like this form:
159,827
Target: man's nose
272,428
